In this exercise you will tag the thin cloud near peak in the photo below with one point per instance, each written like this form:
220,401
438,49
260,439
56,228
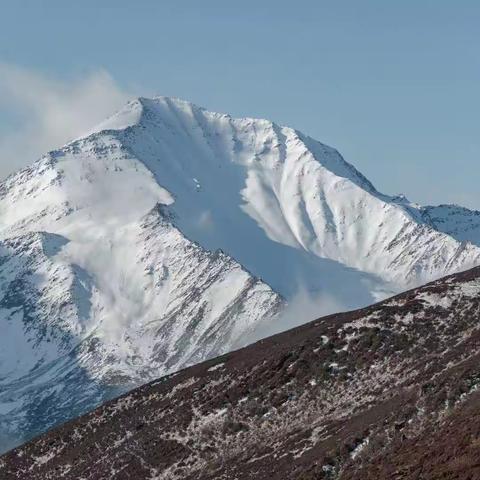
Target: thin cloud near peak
49,112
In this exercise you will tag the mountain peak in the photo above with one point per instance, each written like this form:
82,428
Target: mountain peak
143,108
171,111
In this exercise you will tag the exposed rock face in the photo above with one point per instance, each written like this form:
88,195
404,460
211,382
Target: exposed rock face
385,392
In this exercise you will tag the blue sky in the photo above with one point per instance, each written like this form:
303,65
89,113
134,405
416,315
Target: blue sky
393,85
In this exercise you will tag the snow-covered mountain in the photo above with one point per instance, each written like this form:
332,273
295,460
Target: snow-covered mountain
170,234
459,222
296,192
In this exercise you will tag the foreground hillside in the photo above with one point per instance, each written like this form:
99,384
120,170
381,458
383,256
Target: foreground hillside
385,392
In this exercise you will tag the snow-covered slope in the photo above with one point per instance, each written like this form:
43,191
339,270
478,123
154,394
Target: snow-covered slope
69,329
169,234
100,291
459,222
295,191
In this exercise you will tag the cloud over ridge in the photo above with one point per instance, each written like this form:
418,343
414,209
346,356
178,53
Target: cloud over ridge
49,112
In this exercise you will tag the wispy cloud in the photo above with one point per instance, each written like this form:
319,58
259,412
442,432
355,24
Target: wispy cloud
49,112
305,306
